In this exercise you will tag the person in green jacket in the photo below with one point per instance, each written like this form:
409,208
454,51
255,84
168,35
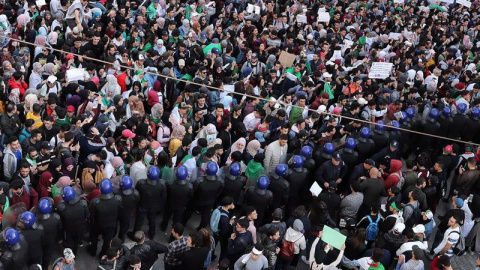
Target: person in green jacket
297,111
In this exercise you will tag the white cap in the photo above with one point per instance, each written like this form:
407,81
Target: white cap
327,75
51,79
399,227
419,228
362,101
330,63
321,108
141,57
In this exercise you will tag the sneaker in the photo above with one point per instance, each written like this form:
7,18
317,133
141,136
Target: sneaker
304,259
80,244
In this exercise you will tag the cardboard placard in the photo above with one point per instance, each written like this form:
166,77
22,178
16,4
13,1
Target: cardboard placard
323,17
333,238
380,70
75,74
301,18
394,36
287,59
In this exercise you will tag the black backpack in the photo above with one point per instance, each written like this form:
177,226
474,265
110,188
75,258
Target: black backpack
415,217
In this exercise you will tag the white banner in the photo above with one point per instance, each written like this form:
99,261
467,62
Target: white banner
380,70
323,17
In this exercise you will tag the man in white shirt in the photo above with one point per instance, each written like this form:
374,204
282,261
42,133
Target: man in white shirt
450,238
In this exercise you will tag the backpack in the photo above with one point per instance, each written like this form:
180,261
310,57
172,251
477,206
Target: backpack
287,249
372,228
415,217
401,180
215,219
459,248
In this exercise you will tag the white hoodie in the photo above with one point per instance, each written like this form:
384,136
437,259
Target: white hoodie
296,237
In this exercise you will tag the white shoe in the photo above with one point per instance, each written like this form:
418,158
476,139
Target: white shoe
304,259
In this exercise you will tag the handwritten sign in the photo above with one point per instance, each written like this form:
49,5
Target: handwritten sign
301,18
394,36
380,70
287,59
323,17
464,3
75,74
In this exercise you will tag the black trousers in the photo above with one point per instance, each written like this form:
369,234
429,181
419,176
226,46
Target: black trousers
150,214
124,225
73,237
107,234
177,216
204,211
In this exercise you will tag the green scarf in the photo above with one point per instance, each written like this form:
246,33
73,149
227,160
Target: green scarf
254,170
155,120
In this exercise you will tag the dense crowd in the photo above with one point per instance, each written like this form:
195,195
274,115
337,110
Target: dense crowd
269,120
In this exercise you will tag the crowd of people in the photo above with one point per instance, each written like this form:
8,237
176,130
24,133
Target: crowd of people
263,118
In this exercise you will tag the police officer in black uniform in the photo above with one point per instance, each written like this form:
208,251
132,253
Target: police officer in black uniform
234,183
206,191
74,213
472,128
179,193
393,133
279,186
260,198
14,250
446,121
51,224
104,211
325,154
459,121
34,235
379,136
350,157
297,177
130,198
430,126
365,146
306,152
152,195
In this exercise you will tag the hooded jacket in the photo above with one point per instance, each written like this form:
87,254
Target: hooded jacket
393,176
297,237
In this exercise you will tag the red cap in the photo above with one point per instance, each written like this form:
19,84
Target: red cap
322,66
70,56
337,110
338,62
448,149
128,134
70,108
460,86
325,95
322,54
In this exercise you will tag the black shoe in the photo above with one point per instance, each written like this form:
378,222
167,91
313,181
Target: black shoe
80,244
163,227
151,236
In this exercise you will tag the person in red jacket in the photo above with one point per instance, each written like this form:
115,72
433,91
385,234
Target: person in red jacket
393,176
21,193
17,81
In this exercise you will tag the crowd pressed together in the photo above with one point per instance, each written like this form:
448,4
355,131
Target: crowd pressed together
240,113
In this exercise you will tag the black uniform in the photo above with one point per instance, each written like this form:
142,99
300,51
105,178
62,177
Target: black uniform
15,257
52,225
297,178
280,189
74,216
130,198
431,126
445,126
35,238
233,187
206,191
104,212
365,149
152,195
471,129
459,121
261,200
350,157
380,139
179,193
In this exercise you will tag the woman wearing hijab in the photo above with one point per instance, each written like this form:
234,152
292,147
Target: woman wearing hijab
176,139
44,187
255,169
57,188
91,174
8,70
35,78
111,85
55,168
238,145
69,167
40,42
114,168
253,147
134,106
